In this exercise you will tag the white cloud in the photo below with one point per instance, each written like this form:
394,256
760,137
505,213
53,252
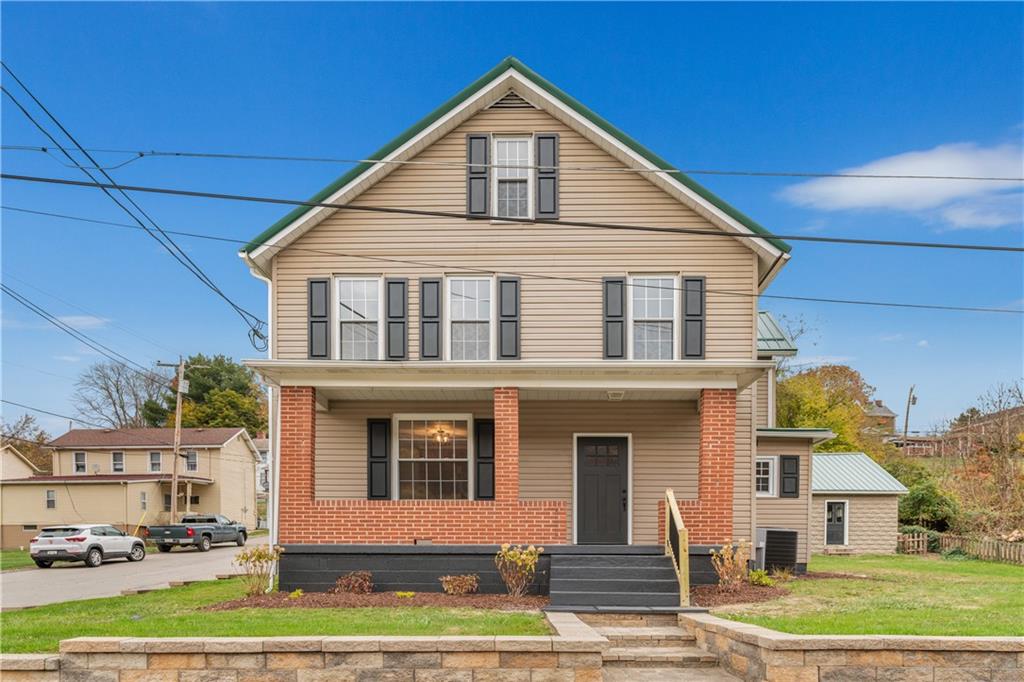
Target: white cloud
84,321
67,358
959,203
923,343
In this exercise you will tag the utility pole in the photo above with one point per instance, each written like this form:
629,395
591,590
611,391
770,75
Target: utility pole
911,400
182,387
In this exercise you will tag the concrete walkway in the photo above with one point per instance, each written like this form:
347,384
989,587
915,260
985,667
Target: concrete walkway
73,581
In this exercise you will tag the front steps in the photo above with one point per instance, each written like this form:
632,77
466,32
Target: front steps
649,642
613,580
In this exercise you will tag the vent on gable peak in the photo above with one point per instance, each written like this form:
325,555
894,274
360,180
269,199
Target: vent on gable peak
512,100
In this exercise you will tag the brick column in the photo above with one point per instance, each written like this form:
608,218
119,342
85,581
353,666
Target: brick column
506,444
297,448
709,517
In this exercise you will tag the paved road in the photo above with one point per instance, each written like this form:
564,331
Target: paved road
72,581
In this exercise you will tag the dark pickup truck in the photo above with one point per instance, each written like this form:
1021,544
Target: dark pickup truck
198,530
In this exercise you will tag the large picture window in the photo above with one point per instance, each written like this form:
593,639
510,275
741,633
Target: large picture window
359,318
512,177
653,312
469,306
433,457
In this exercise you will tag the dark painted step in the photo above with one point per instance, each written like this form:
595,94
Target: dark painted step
614,599
628,580
611,561
598,572
616,584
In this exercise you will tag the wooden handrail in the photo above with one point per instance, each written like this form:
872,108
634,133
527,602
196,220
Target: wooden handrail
677,545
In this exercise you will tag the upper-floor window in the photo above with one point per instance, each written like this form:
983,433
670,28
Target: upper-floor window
154,462
191,461
79,462
512,177
764,477
359,315
117,462
469,306
652,317
51,499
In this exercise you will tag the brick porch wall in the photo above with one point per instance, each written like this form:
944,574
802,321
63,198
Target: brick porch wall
709,518
305,519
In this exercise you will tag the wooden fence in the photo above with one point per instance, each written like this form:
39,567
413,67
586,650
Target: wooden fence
983,548
913,543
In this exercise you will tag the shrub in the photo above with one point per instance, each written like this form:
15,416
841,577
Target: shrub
933,535
956,554
760,578
730,563
257,563
356,582
517,566
927,505
460,584
296,593
781,574
405,595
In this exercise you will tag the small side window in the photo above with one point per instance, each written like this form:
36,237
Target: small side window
79,462
51,499
117,462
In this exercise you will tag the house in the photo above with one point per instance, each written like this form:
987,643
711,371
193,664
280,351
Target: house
123,477
879,418
263,467
468,360
855,505
13,464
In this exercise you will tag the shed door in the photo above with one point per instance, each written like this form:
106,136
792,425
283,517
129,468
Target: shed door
835,523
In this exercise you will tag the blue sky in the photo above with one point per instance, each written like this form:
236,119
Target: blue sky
914,88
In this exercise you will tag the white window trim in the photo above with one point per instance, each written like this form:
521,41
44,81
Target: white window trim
430,416
846,523
492,322
629,479
531,174
113,469
149,462
50,494
335,315
144,500
74,463
773,475
191,452
676,309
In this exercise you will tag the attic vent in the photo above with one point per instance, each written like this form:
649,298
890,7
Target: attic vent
512,101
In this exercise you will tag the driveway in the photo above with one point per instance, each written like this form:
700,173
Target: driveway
72,581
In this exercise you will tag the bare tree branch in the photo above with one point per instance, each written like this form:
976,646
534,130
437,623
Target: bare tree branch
110,393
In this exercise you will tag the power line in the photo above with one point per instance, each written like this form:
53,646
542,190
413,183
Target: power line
525,275
52,414
521,221
141,154
255,324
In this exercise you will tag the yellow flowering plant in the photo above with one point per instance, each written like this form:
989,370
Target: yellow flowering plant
517,566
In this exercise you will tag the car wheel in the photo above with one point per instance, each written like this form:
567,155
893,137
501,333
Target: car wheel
138,553
94,557
43,564
164,548
241,540
204,543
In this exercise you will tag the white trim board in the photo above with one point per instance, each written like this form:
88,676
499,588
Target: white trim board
846,523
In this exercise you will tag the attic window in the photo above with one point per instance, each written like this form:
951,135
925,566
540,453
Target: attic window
512,177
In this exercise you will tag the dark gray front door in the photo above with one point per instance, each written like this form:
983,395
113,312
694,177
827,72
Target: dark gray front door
835,523
602,479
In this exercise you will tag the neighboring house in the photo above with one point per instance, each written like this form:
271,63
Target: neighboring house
855,505
263,467
477,377
879,418
13,464
123,477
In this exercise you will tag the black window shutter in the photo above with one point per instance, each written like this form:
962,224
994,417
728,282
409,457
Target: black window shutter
614,317
694,316
478,174
547,175
396,317
378,447
508,318
789,476
430,319
483,446
318,303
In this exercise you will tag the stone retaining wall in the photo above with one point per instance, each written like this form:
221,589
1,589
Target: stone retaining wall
756,653
573,655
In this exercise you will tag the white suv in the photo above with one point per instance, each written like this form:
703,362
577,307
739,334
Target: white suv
91,543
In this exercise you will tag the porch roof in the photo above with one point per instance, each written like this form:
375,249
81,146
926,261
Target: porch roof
536,379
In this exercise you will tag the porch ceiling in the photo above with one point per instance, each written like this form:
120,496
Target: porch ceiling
486,394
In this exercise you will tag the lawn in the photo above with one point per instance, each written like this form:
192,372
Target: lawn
897,595
175,612
14,558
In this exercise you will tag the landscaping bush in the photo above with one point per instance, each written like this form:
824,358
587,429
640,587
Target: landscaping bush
257,564
782,574
356,582
517,566
460,584
933,535
956,554
730,563
760,578
927,505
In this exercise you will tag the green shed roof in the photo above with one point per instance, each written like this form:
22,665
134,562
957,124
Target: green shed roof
771,339
851,472
551,89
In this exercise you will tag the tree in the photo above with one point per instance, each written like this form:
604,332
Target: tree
25,435
221,392
112,394
225,407
830,396
926,505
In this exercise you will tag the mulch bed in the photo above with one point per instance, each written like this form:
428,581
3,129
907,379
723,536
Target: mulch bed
325,600
709,596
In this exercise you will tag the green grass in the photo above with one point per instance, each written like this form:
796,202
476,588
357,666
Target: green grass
14,558
898,595
175,613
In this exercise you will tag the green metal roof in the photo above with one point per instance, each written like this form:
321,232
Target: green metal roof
551,89
851,472
771,339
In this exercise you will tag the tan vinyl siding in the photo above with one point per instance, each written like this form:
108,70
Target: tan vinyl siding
872,522
560,319
791,513
761,406
136,461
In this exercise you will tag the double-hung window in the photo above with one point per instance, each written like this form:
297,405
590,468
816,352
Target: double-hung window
143,500
117,462
79,462
51,499
191,461
765,477
359,304
154,462
469,312
653,313
512,177
433,457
